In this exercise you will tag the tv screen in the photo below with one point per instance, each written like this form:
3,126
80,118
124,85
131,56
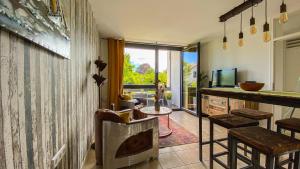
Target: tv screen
228,77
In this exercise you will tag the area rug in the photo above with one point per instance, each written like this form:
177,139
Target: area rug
179,136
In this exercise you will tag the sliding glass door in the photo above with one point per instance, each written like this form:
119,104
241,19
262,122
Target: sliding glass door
144,64
189,79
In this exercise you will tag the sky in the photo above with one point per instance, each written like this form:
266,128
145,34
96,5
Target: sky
190,57
141,56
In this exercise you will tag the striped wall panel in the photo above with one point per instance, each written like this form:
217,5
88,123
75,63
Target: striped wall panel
47,101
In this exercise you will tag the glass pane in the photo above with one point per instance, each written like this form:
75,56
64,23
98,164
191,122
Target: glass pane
190,79
164,67
169,74
139,66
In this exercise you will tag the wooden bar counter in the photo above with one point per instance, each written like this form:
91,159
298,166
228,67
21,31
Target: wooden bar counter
289,99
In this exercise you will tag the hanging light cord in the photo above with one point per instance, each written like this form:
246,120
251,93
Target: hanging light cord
266,9
252,9
242,20
225,29
241,26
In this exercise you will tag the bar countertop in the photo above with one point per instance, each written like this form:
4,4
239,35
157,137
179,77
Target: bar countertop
291,99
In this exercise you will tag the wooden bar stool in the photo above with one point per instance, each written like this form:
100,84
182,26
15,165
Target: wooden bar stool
227,121
255,115
292,125
264,141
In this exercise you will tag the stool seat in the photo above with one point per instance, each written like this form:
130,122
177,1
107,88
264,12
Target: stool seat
265,141
252,114
232,121
292,124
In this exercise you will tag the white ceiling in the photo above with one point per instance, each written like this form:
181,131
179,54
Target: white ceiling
172,21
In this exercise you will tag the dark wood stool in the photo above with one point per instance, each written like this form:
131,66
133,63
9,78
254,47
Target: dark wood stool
255,115
227,121
264,141
292,125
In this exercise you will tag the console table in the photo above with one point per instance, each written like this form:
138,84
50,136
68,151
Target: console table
289,99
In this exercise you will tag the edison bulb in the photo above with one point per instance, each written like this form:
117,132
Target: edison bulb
224,42
253,29
241,42
283,18
267,36
283,13
225,45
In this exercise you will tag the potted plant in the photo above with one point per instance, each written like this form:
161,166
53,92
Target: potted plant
168,96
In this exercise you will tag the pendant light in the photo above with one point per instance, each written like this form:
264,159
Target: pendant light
283,13
266,34
241,34
224,38
253,28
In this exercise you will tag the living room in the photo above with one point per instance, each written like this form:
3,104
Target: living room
88,84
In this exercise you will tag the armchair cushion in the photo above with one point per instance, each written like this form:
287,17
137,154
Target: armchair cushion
125,115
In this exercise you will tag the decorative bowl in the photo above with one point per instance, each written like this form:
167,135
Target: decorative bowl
251,86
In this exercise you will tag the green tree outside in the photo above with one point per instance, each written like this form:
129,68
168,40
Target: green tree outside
131,77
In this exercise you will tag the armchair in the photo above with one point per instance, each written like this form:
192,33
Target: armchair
119,144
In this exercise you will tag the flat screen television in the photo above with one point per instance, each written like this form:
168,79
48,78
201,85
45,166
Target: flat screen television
224,78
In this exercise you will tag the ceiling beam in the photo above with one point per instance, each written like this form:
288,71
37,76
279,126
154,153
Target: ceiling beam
237,10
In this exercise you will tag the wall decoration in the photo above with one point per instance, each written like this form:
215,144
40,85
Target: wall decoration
40,21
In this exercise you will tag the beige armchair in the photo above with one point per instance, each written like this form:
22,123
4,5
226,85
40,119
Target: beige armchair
120,144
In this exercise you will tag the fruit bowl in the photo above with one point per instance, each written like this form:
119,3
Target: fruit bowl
251,86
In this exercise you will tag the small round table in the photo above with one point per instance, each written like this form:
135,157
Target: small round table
164,111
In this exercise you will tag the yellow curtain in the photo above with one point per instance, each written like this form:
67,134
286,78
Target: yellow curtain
115,71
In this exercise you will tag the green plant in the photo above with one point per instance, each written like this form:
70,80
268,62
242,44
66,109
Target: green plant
168,95
132,77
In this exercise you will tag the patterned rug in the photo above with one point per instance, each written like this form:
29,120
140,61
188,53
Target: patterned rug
179,136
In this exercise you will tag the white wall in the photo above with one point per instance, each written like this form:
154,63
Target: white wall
104,88
252,60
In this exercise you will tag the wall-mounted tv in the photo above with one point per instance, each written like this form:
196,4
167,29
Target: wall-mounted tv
224,78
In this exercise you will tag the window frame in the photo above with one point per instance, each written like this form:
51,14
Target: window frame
156,48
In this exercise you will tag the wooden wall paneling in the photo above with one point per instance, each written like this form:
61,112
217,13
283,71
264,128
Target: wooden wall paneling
5,53
75,92
21,103
78,84
32,104
39,114
47,101
13,93
2,146
62,106
43,110
72,113
83,56
87,69
49,109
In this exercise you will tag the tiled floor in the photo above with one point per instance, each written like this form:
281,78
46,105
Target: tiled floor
178,157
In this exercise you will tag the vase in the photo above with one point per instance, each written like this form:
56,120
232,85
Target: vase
169,103
157,106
